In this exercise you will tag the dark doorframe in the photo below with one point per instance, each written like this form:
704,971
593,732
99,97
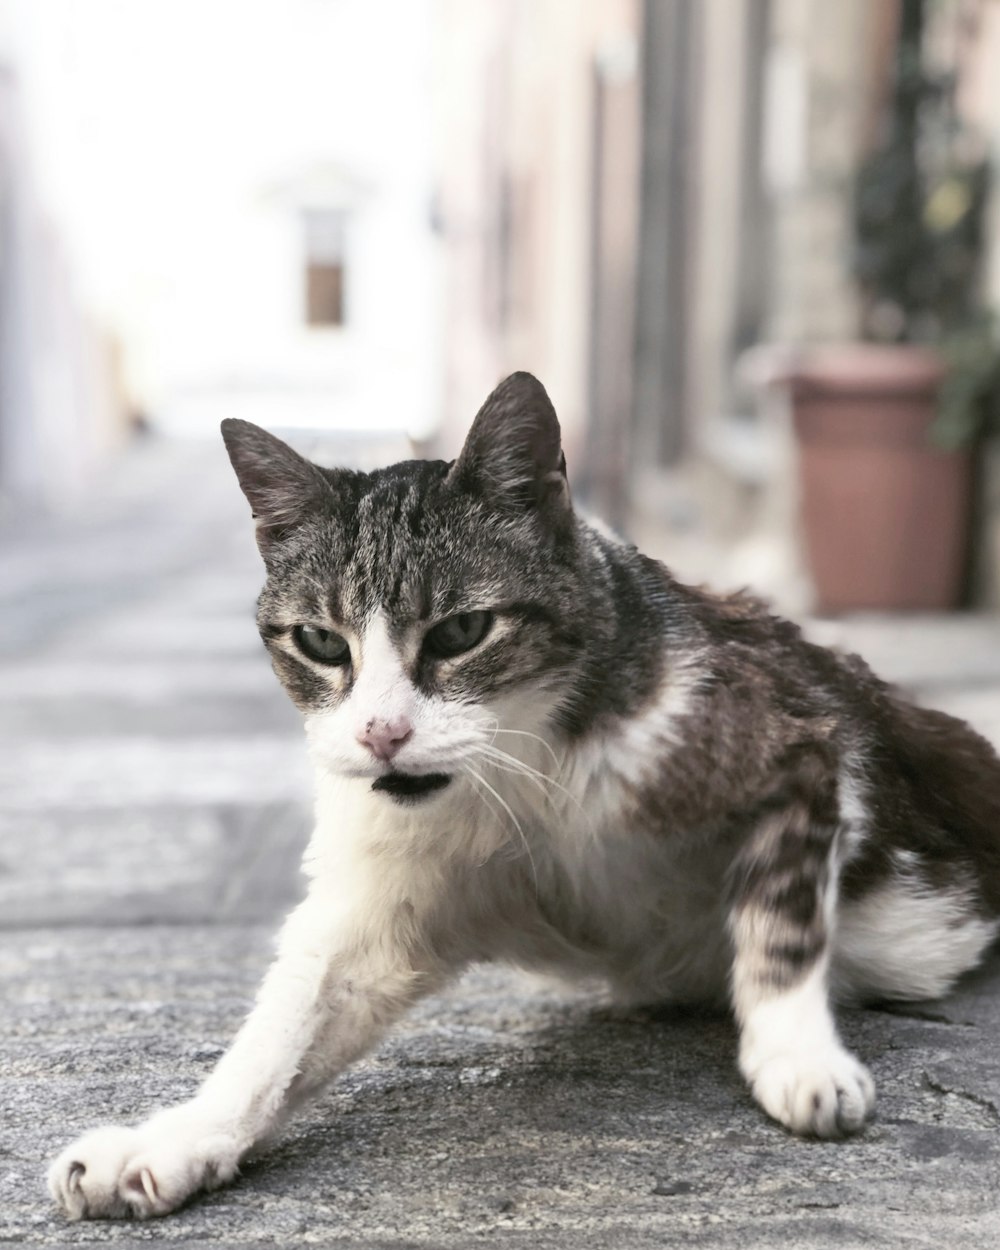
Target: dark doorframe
669,81
615,149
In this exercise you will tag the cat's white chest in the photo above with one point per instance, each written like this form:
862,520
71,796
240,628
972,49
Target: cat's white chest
640,907
644,912
547,861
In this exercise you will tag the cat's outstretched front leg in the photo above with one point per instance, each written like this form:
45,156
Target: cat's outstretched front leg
782,914
339,979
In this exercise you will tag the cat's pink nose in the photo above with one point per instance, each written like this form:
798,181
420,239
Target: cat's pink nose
384,737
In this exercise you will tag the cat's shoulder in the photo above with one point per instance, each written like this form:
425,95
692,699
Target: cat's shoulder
740,634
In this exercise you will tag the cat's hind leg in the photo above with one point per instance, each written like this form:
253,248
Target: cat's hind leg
912,932
782,907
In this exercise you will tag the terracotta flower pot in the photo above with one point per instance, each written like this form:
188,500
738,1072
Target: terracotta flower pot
885,512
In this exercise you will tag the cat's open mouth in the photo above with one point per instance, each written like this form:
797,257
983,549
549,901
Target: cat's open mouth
408,787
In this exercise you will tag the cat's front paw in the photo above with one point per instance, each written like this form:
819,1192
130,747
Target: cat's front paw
825,1093
113,1173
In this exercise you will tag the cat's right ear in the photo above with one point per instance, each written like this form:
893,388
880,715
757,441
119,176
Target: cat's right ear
282,487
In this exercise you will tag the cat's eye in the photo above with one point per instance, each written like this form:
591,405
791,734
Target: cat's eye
457,634
322,645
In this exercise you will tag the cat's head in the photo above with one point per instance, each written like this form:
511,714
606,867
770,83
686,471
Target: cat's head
419,613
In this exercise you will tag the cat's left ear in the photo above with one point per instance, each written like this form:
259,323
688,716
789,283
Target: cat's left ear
513,452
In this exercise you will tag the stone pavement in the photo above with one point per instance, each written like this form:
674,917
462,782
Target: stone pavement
153,803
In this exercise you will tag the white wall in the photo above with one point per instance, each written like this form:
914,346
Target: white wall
59,411
171,140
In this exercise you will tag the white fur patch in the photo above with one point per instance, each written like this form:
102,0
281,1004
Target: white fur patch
906,940
853,814
629,753
445,734
796,1066
381,687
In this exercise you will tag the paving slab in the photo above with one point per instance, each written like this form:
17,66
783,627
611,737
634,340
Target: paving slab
152,864
587,1117
503,1111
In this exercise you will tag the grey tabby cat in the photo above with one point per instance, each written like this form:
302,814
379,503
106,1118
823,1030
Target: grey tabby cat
532,744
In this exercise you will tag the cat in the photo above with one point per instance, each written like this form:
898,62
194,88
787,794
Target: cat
533,745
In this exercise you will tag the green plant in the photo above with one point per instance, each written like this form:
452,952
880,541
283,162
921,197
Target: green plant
919,214
969,400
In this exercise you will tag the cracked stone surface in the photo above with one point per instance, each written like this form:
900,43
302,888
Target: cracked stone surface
153,804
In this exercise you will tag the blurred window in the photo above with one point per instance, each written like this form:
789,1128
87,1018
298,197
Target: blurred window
325,256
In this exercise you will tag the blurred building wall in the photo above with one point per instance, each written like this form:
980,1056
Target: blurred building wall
638,200
823,65
536,125
670,173
773,116
61,410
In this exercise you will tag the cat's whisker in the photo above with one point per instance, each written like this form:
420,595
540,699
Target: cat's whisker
478,777
496,754
516,769
475,777
511,764
495,729
524,733
499,753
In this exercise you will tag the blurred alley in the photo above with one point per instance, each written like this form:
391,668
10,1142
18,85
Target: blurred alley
752,249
